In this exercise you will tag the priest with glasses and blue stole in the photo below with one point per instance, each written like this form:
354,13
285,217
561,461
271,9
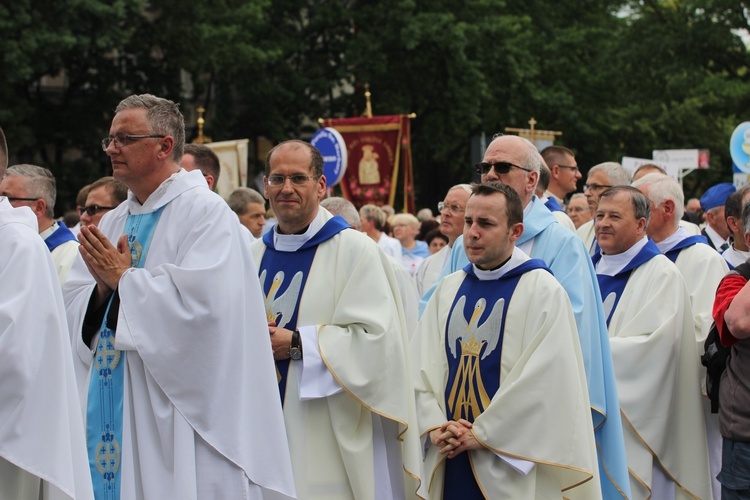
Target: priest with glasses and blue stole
499,376
654,352
167,324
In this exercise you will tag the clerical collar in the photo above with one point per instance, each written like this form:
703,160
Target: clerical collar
293,242
670,242
715,237
48,232
610,265
135,207
516,259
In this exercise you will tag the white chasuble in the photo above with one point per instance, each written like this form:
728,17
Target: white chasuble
520,378
201,413
352,427
654,355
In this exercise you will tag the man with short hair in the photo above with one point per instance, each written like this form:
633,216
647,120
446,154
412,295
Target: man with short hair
647,168
738,251
104,195
34,187
578,210
712,203
250,208
201,157
373,222
485,354
168,328
564,172
80,203
701,268
600,177
338,339
451,211
42,442
550,201
654,352
515,161
730,314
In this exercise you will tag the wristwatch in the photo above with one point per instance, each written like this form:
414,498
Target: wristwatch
295,349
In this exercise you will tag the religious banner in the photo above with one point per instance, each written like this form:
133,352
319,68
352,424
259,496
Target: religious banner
233,158
377,148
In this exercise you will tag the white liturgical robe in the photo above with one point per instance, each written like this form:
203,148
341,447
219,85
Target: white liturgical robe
654,355
201,412
349,403
42,443
540,412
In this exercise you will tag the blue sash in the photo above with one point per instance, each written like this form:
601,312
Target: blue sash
611,287
104,411
473,347
553,205
283,276
60,236
687,242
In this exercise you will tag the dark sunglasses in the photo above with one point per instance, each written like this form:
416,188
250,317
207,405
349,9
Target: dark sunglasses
501,167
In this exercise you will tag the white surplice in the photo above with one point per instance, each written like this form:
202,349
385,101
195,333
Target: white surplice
201,413
42,443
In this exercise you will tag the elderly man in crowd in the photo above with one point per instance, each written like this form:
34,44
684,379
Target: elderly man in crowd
578,210
600,177
712,203
654,352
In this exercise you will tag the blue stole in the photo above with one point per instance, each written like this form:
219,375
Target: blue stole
104,411
473,348
283,276
60,236
611,287
553,205
687,242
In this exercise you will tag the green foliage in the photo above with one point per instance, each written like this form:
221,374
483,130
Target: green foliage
618,78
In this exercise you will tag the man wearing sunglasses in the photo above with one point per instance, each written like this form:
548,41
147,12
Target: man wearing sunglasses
104,195
515,161
34,187
167,317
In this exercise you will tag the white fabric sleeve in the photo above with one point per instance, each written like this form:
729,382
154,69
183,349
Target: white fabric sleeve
313,378
523,467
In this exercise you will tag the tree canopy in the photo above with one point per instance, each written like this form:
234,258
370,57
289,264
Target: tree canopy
618,78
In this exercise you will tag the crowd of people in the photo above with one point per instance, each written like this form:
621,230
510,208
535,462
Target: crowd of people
528,341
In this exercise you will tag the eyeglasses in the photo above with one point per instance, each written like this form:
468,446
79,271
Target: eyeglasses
595,187
121,140
92,210
11,198
574,169
452,209
297,179
501,167
577,209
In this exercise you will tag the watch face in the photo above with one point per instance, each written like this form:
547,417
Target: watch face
295,353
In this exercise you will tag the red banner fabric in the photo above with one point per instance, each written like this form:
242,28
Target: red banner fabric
376,148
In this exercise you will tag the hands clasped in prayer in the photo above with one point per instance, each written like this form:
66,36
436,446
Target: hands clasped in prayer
105,262
455,437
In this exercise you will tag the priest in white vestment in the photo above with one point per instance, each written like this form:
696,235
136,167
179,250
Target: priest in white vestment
181,347
651,331
42,443
497,340
339,342
702,268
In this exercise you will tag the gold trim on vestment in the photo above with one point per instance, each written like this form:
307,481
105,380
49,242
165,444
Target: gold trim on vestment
656,457
551,464
606,471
